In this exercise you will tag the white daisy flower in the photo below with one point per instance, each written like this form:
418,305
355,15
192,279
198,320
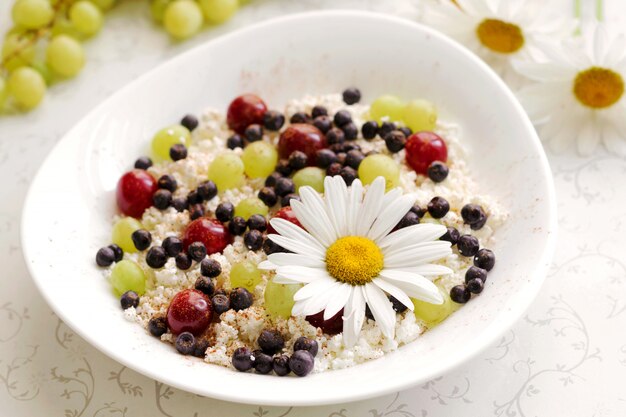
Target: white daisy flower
580,91
498,30
348,257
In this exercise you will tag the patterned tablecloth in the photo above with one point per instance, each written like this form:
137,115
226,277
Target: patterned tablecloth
566,357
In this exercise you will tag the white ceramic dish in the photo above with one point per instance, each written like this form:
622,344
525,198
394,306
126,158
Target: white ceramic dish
71,201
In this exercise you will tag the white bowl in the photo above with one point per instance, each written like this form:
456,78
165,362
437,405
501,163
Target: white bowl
69,206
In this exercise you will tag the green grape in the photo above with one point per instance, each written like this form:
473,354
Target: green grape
259,159
218,11
122,233
380,165
387,105
420,115
157,8
104,5
17,50
27,87
250,206
165,138
245,274
43,69
63,26
182,18
32,14
4,92
433,314
86,17
127,276
311,176
65,56
226,171
279,298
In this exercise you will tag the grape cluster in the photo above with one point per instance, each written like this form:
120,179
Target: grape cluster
58,28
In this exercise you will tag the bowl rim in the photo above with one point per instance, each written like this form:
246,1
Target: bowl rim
496,329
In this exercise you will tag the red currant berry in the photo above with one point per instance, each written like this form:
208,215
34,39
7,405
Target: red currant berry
190,311
245,110
211,232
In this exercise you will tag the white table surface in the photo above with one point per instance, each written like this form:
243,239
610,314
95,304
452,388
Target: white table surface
566,357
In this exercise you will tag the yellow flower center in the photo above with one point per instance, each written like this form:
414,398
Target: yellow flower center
598,87
500,36
354,260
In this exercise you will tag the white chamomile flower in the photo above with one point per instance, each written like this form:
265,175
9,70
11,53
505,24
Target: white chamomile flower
580,91
348,257
498,30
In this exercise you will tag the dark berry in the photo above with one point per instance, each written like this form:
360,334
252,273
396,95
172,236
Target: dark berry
225,212
207,190
472,213
474,272
280,364
286,200
350,131
221,303
253,240
253,133
420,211
351,146
117,252
304,343
129,299
480,223
268,196
409,219
397,306
172,245
407,131
334,136
301,362
178,152
210,268
297,160
476,286
271,179
368,313
105,256
452,235
270,247
351,95
237,226
240,299
334,169
242,359
193,197
273,120
438,207
437,171
323,123
385,128
185,343
300,117
395,141
180,204
341,157
190,122
156,257
342,117
234,142
337,148
354,158
468,245
271,341
485,259
369,129
460,294
143,163
141,239
221,291
205,285
325,157
157,326
262,362
183,261
257,222
283,168
197,251
199,350
348,174
196,211
319,111
167,182
162,199
284,186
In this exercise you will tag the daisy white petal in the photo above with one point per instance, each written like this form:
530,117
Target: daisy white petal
294,232
429,270
613,140
415,286
301,274
296,246
314,203
337,300
312,222
267,265
588,138
414,256
415,248
423,232
355,196
371,206
285,259
310,306
381,309
396,292
354,316
336,202
324,285
390,216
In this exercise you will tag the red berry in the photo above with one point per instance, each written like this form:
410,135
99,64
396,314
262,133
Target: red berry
134,192
333,325
245,110
211,232
190,311
304,138
423,148
287,214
